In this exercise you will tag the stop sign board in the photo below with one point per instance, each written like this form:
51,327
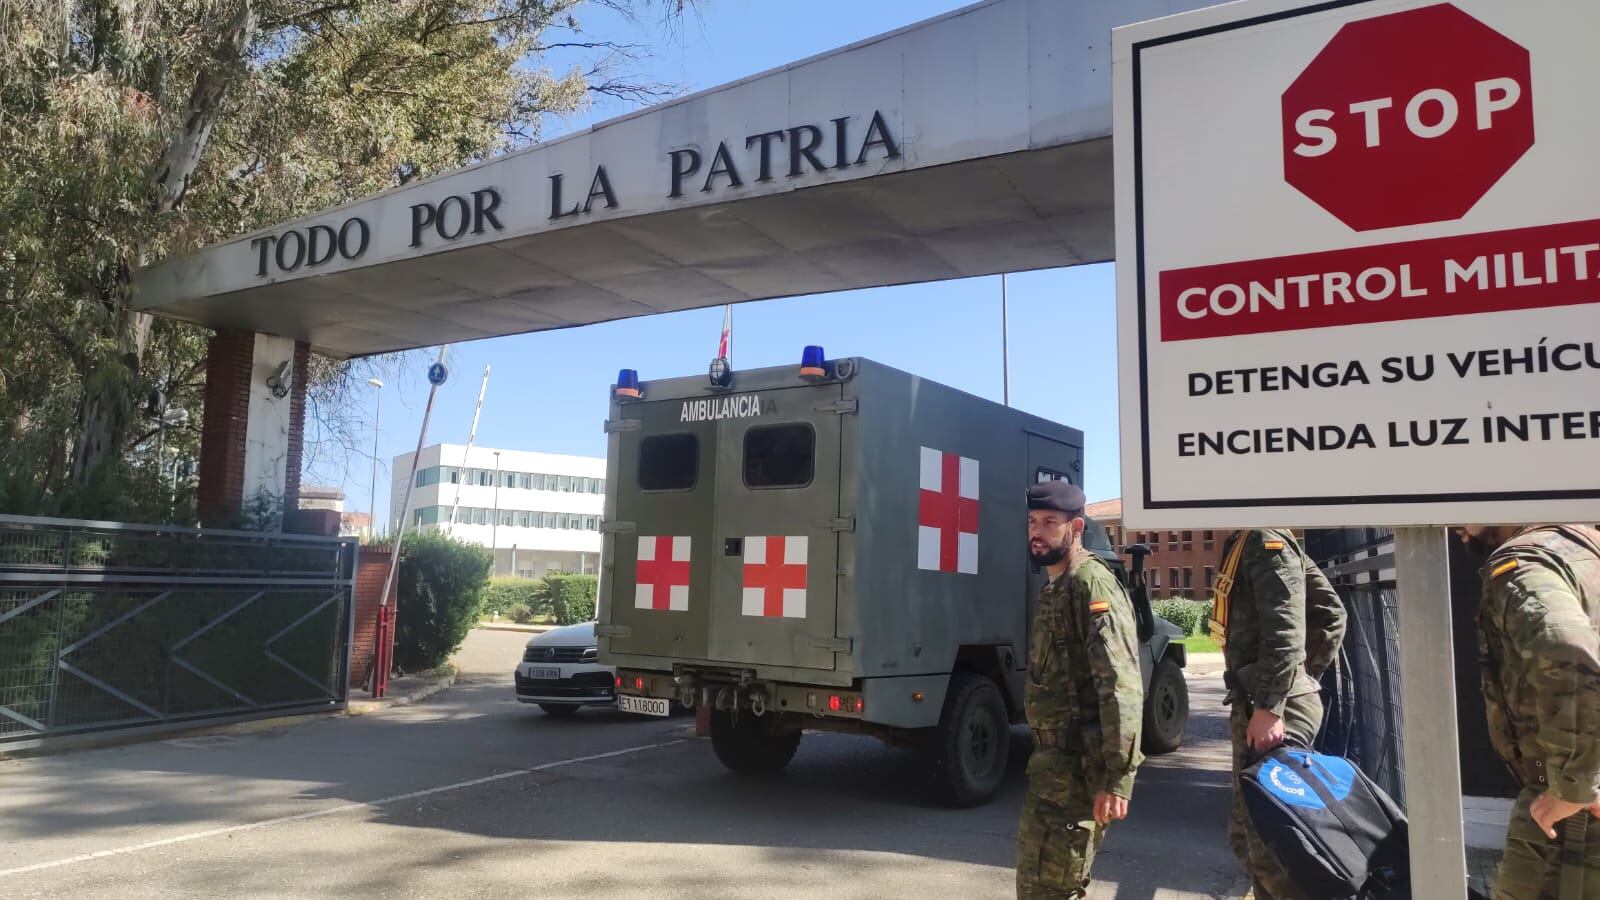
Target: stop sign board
1358,263
1407,118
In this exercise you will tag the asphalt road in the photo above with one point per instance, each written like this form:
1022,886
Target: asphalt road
472,794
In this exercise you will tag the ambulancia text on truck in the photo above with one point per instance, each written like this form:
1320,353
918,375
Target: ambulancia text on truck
838,546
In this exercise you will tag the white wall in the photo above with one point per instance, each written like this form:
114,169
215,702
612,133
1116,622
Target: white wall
266,443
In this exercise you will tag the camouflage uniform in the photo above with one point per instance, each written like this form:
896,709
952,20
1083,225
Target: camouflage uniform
1540,652
1085,702
1285,625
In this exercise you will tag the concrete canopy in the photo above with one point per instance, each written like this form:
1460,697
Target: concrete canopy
970,144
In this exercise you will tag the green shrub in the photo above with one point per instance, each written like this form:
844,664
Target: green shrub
572,597
522,614
441,589
1193,616
506,593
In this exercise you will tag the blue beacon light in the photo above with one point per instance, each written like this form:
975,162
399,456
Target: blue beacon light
813,363
628,384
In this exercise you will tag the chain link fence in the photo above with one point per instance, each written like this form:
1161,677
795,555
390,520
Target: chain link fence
111,626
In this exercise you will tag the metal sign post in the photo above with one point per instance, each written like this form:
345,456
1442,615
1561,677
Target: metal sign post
437,373
1428,698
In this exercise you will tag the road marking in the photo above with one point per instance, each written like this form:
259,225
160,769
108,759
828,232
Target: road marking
330,811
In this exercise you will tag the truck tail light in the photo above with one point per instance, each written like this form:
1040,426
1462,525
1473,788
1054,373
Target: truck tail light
619,682
835,703
638,683
856,705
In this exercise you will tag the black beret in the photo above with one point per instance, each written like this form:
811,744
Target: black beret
1057,495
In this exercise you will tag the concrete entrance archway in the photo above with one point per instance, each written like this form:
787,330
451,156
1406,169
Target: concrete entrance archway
974,143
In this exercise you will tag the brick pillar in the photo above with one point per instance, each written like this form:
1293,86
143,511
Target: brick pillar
297,425
224,418
372,568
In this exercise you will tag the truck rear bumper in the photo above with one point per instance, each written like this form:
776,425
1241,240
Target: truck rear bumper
913,701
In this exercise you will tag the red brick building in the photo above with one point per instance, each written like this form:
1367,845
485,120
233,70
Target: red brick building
1183,564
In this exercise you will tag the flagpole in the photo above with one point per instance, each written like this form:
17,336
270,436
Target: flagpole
1005,349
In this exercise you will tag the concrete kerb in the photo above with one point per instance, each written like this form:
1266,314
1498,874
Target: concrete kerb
512,626
402,691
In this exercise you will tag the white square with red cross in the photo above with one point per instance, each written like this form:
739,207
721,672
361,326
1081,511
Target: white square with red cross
662,577
947,513
775,576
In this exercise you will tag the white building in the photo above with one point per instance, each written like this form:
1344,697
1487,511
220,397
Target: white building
538,512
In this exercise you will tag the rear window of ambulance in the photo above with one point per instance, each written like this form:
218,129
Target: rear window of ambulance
779,456
669,462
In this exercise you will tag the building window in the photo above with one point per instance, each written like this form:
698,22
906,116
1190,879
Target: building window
1155,581
1210,539
1188,540
1172,581
1188,581
779,456
669,462
1211,578
455,476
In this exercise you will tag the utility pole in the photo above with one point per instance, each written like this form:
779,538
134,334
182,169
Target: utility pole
372,490
1005,349
494,530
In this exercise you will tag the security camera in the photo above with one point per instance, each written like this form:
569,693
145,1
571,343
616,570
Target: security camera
278,381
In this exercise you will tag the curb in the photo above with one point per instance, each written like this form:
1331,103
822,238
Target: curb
512,626
370,707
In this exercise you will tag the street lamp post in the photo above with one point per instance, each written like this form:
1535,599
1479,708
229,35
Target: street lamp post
494,530
372,491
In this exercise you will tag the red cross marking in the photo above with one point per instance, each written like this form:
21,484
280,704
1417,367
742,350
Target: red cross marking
774,576
662,573
948,511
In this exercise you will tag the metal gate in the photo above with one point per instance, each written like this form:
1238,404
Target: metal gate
111,626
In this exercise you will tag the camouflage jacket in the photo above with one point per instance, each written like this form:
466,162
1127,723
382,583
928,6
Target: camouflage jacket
1083,674
1539,644
1285,621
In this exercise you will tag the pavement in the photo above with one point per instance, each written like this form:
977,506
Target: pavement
469,793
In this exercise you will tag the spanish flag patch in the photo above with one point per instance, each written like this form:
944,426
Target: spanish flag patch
1274,546
1099,606
1503,568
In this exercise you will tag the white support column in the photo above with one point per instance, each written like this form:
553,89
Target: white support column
266,448
1431,733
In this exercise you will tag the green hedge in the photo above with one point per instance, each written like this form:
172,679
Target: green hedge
1193,616
572,597
442,582
508,596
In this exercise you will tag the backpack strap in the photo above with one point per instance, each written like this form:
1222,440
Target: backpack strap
1224,587
1572,853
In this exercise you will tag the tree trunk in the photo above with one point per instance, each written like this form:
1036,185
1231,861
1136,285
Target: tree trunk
109,399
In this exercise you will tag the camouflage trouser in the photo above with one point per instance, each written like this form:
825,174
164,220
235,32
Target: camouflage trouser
1057,837
1302,719
1531,867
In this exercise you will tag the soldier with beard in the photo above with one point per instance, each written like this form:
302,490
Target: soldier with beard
1539,647
1084,701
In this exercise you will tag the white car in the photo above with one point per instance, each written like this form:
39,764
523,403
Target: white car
559,672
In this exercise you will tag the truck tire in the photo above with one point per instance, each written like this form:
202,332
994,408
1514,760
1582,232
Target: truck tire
1166,709
746,743
969,749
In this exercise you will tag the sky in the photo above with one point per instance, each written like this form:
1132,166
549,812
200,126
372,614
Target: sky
548,391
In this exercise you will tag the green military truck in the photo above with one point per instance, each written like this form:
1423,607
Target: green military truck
839,546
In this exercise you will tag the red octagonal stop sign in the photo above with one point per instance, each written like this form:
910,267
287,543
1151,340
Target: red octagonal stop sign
1407,118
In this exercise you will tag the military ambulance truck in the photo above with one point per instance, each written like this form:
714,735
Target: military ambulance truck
838,546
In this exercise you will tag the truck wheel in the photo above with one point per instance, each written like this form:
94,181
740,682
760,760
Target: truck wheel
1166,709
746,744
969,749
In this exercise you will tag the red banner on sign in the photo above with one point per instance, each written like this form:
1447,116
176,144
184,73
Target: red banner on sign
1524,268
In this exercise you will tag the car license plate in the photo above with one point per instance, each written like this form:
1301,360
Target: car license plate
644,706
544,674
